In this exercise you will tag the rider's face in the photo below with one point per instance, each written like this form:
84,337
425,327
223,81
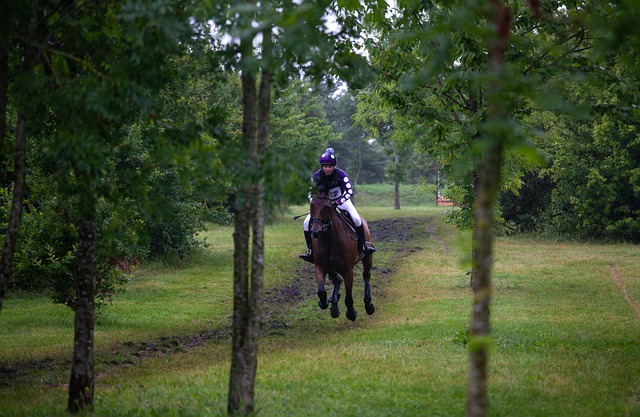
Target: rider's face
328,169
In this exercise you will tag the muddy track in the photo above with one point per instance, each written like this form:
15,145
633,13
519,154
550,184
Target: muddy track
394,233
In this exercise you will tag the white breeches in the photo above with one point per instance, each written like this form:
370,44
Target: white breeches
346,206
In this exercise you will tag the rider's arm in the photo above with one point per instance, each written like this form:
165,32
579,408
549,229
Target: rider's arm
345,185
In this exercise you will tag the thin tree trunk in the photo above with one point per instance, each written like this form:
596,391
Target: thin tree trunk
354,181
240,401
257,262
396,196
257,252
482,261
484,209
476,187
20,167
438,188
81,382
15,219
396,191
250,218
4,88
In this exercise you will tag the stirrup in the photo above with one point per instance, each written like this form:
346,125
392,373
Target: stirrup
308,257
368,248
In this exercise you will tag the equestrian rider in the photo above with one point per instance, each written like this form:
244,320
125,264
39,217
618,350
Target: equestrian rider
332,178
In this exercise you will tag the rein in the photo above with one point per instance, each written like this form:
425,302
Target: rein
344,219
324,226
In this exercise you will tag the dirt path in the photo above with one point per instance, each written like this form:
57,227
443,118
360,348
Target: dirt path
395,233
616,277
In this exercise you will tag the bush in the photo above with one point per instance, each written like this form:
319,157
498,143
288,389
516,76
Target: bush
177,217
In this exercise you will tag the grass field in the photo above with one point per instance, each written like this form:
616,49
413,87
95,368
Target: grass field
565,326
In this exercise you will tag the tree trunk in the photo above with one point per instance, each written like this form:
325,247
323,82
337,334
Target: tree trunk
476,187
354,180
15,219
438,188
20,168
81,382
396,194
4,88
250,218
484,209
242,372
482,260
257,261
240,399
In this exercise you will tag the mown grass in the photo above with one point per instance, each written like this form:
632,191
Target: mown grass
565,326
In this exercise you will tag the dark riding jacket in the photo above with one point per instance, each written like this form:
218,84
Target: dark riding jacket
337,184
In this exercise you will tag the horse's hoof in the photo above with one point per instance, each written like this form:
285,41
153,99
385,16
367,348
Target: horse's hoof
352,314
335,311
322,300
370,308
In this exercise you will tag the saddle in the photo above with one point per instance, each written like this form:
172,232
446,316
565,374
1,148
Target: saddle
346,217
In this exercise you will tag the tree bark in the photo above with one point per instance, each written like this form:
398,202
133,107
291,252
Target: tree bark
396,193
476,187
489,179
257,261
484,210
4,88
19,158
249,221
240,401
81,383
15,218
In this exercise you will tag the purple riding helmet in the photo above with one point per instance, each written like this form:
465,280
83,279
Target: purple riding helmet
328,157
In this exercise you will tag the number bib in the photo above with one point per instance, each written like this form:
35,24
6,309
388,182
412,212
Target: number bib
335,193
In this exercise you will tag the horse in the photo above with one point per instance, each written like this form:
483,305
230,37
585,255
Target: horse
335,253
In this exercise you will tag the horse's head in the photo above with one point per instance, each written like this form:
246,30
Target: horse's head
321,214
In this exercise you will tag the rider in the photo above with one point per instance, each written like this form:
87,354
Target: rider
337,182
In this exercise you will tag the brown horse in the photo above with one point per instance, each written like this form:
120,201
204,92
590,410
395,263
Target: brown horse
335,253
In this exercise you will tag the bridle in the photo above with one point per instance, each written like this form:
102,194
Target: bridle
324,224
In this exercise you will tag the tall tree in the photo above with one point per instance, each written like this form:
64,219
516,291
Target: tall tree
432,59
484,210
99,83
84,67
396,134
28,37
249,212
82,378
293,40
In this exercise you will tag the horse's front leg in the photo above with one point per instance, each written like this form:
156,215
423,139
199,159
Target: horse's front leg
352,314
322,292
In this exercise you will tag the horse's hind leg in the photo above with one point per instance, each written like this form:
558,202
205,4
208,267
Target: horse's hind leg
367,263
335,295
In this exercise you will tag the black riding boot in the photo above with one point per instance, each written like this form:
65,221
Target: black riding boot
309,255
363,245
